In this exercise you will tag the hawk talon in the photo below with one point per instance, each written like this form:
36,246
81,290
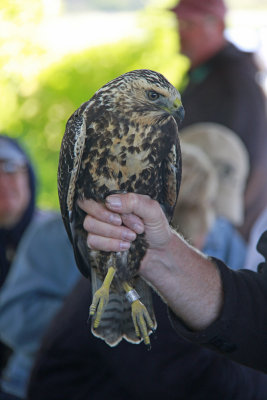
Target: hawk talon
141,320
101,298
140,316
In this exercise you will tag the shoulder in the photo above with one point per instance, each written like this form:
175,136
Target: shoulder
233,55
225,242
221,231
43,222
235,66
43,235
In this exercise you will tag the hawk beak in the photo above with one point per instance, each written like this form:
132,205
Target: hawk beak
178,111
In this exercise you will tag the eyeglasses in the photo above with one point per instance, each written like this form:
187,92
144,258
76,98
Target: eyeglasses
10,167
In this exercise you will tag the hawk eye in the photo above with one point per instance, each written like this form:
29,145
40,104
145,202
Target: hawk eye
152,95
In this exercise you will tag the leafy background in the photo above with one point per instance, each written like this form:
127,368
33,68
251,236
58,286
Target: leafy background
40,90
35,106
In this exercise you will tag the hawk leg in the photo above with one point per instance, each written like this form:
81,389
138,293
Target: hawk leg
101,297
141,318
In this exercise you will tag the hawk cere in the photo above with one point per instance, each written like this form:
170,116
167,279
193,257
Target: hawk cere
124,139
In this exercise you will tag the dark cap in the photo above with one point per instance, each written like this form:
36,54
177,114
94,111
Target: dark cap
194,8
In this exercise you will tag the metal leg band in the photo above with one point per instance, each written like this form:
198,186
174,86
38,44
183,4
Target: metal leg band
132,295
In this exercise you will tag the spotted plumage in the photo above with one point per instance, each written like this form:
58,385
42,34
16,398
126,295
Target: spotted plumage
124,139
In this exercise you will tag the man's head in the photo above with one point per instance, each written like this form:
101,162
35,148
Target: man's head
15,188
195,208
201,28
230,161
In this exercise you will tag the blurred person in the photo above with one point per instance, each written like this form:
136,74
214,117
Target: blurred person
37,268
222,87
209,304
230,162
17,200
17,207
195,213
253,256
73,364
41,276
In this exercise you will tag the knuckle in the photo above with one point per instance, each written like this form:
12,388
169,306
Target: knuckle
133,200
152,202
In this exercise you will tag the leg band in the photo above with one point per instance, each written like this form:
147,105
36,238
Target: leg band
132,295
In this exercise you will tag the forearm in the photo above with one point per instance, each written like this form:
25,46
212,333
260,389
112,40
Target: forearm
187,280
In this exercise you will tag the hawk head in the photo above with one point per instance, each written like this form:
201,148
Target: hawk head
144,94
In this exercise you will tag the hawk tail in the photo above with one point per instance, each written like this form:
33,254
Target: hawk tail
116,322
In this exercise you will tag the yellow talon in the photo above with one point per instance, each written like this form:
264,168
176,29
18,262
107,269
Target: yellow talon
101,297
141,319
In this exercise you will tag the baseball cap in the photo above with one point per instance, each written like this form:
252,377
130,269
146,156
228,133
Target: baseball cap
194,8
230,160
9,152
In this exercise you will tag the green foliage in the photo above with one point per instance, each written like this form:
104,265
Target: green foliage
37,110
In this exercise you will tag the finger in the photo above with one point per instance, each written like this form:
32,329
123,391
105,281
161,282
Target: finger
99,228
140,205
133,222
93,208
106,244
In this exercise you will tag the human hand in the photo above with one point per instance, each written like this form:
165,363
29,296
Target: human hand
112,227
189,282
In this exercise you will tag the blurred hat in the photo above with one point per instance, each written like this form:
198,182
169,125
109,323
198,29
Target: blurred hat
230,160
194,213
9,152
194,8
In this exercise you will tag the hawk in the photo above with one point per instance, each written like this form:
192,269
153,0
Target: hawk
124,139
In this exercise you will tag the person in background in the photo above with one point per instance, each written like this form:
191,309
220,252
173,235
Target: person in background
230,162
222,87
37,269
17,207
253,256
194,213
73,364
17,200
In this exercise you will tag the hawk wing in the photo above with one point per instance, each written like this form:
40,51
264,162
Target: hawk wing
172,172
70,158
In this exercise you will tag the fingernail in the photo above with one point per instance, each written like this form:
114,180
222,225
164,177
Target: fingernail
138,228
128,235
114,201
125,245
115,219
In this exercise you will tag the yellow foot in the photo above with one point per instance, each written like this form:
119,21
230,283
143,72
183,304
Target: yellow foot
141,318
142,321
101,297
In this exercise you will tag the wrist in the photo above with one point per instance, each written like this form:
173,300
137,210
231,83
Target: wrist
186,279
160,262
